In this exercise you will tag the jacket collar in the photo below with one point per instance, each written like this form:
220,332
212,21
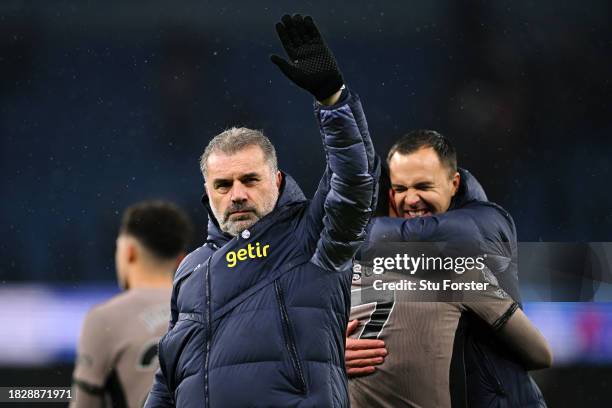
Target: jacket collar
469,190
290,193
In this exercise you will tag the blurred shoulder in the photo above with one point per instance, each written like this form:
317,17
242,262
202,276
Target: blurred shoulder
109,309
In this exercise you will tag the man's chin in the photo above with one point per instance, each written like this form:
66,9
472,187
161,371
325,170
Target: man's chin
236,226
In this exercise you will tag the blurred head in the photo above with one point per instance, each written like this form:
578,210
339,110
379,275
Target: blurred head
241,177
423,172
153,239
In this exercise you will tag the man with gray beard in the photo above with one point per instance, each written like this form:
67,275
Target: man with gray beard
259,311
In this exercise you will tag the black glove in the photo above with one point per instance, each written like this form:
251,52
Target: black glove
312,65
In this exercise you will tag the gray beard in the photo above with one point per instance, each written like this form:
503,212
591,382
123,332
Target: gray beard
235,227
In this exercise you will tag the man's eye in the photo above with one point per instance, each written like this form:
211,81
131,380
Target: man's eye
250,181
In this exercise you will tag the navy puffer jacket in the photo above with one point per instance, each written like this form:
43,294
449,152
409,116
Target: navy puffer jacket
258,320
471,219
484,372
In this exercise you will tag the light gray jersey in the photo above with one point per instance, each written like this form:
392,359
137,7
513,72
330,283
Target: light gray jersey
117,352
419,338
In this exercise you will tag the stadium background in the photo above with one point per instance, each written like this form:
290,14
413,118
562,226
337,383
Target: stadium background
106,103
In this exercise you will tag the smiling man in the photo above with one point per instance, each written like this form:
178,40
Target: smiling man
472,353
423,172
259,311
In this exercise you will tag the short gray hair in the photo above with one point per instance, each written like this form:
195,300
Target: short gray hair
235,139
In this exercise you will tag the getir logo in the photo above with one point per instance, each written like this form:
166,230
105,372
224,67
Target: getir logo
250,252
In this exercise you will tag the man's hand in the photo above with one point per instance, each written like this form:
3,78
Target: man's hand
311,64
362,356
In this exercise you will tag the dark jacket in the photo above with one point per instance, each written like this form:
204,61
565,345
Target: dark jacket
471,219
483,371
265,327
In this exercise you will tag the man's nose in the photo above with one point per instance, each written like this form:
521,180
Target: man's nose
239,192
412,197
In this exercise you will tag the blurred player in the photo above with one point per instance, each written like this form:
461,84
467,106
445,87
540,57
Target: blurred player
117,352
436,358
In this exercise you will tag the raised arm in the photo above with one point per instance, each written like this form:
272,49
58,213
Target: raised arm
343,203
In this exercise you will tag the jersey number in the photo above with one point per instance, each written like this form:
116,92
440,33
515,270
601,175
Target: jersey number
148,357
378,319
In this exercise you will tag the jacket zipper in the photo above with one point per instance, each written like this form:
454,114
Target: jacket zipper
207,327
289,340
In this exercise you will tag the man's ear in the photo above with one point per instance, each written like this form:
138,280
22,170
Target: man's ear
456,181
132,252
279,178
